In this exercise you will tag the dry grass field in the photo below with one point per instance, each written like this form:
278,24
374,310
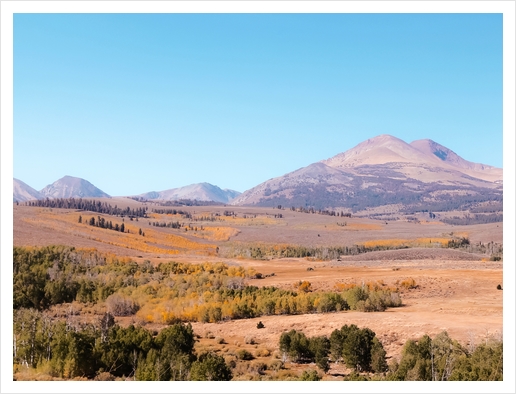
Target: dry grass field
455,291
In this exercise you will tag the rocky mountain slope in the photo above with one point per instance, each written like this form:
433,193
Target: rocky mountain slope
380,171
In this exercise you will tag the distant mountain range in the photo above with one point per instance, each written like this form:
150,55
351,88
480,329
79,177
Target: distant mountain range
198,191
68,187
383,170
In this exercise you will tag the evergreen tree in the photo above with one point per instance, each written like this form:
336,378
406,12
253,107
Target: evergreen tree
210,366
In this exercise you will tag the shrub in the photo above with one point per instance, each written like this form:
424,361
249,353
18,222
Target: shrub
263,353
499,287
276,365
210,366
119,305
304,286
408,284
310,376
260,325
258,367
244,355
219,340
250,340
104,376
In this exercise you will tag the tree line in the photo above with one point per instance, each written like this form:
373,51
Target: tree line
89,205
104,350
429,359
103,223
474,219
267,251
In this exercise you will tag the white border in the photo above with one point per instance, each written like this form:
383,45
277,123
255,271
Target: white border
8,8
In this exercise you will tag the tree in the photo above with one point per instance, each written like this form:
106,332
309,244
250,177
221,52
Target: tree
320,347
211,367
295,345
176,345
355,346
378,361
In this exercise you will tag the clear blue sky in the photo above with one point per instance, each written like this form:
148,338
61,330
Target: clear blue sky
142,102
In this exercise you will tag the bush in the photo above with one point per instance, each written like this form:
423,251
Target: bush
310,376
245,355
104,376
499,287
408,284
258,367
263,353
119,305
260,325
276,365
304,286
210,366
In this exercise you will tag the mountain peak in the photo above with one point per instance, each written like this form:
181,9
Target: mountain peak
381,149
69,186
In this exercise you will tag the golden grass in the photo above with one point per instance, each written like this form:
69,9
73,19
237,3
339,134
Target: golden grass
396,242
248,221
339,227
215,233
153,241
362,226
371,286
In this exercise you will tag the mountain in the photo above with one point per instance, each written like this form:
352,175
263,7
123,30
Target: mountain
23,192
381,171
198,191
69,186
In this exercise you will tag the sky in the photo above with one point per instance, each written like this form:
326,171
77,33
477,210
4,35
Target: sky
147,102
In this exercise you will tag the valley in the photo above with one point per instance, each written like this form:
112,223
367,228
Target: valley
455,289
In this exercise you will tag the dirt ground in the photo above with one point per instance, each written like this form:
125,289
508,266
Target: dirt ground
463,301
